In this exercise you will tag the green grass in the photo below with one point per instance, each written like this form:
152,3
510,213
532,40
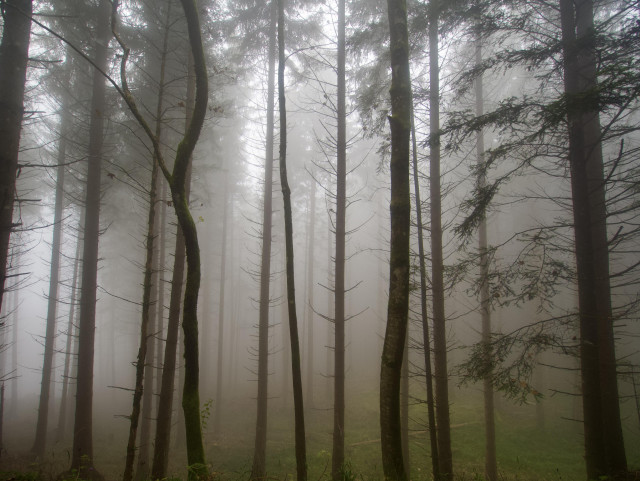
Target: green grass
526,452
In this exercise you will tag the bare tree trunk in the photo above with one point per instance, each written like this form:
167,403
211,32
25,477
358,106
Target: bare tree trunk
14,53
337,459
296,374
39,444
437,281
258,470
404,406
217,417
426,338
490,458
399,263
143,390
82,455
61,431
604,444
310,289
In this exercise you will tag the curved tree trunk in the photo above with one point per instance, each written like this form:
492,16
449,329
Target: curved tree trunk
399,265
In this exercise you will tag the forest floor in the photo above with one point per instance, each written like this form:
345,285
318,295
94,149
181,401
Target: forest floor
532,445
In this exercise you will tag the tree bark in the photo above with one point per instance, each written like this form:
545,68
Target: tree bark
310,289
144,388
217,417
490,460
82,456
40,441
604,444
337,459
399,264
61,430
298,404
14,53
258,470
426,338
437,266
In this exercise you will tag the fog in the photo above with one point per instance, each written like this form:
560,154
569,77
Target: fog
507,172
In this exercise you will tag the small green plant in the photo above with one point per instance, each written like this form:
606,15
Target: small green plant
205,413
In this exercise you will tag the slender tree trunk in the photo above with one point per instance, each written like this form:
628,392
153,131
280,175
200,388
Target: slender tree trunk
310,289
426,339
61,430
217,417
180,177
399,264
14,53
604,444
82,456
296,374
337,459
404,406
437,281
490,460
258,470
39,445
144,387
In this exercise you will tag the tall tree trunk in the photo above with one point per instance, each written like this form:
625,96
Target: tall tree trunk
426,338
82,456
61,431
258,470
14,53
217,417
337,459
490,459
437,267
296,372
310,289
604,444
399,263
39,444
404,406
143,383
162,443
180,177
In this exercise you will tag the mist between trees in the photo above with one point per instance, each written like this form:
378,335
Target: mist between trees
319,240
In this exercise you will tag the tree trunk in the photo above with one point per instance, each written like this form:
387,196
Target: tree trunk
604,444
296,374
14,53
217,417
337,459
39,444
258,470
82,457
437,267
426,339
399,263
144,373
490,461
310,289
61,431
404,406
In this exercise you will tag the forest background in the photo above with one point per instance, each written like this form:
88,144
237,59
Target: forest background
111,91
